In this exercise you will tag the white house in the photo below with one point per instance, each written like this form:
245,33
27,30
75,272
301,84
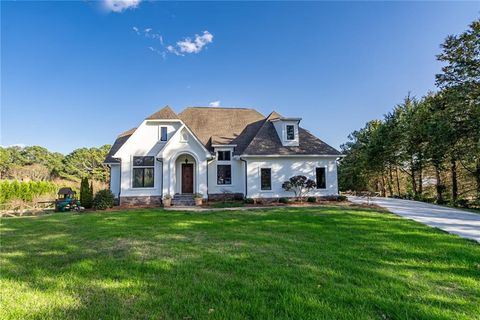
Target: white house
216,151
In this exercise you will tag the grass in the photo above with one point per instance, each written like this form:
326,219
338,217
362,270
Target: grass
281,263
227,204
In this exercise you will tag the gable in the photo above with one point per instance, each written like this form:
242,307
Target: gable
183,140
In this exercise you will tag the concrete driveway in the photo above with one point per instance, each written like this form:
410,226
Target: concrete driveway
460,222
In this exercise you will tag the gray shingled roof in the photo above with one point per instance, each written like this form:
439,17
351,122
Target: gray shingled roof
214,125
165,113
121,139
247,128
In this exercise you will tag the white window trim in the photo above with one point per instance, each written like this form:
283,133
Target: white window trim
131,173
224,163
160,133
315,175
260,179
294,132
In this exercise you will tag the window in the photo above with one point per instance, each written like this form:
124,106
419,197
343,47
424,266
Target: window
290,132
143,172
266,178
223,155
224,174
321,181
163,133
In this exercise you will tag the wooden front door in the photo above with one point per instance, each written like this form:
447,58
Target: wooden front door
187,178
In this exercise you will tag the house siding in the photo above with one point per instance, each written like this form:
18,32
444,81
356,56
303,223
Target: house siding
285,168
115,179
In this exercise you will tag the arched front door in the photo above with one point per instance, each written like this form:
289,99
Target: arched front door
187,177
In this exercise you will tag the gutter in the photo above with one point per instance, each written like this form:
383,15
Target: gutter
293,156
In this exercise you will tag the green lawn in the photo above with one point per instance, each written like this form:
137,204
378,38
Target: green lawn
281,263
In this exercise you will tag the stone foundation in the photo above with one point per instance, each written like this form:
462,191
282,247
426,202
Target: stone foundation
227,196
141,201
275,200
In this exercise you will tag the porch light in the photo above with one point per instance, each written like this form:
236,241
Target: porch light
186,161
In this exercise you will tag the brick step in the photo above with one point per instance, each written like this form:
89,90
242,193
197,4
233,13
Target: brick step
183,200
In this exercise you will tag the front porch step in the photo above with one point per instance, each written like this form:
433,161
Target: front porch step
183,200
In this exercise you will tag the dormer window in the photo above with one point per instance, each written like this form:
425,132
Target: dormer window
290,132
163,134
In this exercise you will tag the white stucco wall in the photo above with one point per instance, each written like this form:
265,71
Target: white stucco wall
145,141
177,148
115,179
238,177
285,168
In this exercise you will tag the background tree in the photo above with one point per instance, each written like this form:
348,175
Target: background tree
460,80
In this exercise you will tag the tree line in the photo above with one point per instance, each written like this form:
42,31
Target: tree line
426,148
36,163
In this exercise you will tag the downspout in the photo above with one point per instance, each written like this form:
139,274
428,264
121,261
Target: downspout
246,183
208,161
161,180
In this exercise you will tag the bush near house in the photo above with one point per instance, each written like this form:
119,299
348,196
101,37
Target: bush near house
104,199
299,185
283,200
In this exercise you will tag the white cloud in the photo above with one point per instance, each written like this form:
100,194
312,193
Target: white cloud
120,5
163,54
214,104
181,48
196,45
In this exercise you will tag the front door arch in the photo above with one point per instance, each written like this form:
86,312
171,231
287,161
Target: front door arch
187,178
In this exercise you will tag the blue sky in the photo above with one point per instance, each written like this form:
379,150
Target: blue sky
76,74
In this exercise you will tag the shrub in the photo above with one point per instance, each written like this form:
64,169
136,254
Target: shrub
341,198
238,197
249,201
86,193
25,191
463,203
311,199
103,199
198,195
283,200
299,185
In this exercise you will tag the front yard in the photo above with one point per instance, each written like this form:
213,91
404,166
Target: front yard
280,263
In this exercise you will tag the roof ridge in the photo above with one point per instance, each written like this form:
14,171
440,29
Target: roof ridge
126,133
229,108
256,134
164,113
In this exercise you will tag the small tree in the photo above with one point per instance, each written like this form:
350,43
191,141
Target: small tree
86,193
103,199
300,185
